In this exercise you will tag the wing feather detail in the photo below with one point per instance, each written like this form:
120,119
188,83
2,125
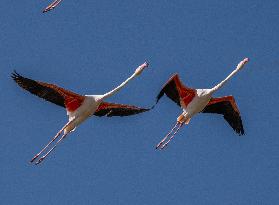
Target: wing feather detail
113,109
49,92
176,91
227,107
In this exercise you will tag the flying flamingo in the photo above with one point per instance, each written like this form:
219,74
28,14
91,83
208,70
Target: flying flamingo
79,107
194,101
52,5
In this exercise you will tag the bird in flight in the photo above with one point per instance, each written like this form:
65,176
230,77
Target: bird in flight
193,101
52,6
78,107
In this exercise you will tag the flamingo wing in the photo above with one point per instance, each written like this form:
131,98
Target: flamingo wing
50,92
112,109
176,91
227,107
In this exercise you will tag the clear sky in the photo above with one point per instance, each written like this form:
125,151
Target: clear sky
90,47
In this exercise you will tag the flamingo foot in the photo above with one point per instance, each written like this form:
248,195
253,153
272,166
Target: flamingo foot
40,160
51,141
35,157
43,157
52,6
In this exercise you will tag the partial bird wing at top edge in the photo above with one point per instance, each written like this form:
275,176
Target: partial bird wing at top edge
112,109
49,92
176,91
228,108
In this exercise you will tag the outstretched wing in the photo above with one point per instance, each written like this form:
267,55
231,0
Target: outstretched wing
112,109
228,108
176,91
50,92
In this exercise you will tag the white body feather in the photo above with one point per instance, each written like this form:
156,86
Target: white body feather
87,109
198,103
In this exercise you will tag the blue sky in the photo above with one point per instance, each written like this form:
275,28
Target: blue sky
90,47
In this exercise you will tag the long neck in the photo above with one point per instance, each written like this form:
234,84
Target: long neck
238,68
137,72
115,90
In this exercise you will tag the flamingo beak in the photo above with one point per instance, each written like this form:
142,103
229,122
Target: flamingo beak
139,70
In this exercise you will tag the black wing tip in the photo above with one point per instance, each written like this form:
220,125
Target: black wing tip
240,129
170,90
140,110
159,96
162,91
15,76
241,132
47,9
119,113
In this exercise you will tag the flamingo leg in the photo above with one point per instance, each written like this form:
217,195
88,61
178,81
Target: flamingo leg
52,5
176,131
43,157
165,138
51,141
